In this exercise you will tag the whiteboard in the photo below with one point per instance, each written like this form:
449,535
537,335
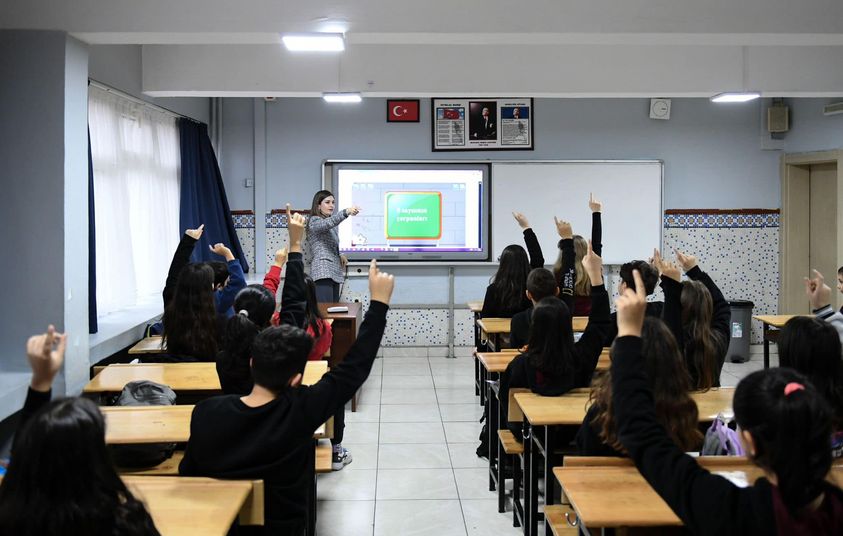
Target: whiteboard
631,192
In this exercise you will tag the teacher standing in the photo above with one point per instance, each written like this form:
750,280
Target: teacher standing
327,265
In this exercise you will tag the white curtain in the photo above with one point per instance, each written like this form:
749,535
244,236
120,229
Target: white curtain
135,152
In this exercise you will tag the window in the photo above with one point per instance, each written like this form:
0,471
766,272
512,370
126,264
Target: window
135,152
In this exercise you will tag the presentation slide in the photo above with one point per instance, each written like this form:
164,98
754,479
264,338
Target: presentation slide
411,210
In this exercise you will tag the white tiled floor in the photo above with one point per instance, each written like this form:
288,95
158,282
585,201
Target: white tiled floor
413,440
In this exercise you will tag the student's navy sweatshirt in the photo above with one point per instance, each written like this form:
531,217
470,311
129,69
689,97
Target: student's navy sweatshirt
706,503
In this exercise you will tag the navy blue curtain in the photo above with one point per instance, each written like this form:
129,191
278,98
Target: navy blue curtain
93,327
203,197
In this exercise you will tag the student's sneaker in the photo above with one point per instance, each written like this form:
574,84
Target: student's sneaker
340,458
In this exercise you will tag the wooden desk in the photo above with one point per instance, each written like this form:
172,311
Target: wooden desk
613,497
579,323
192,505
344,327
148,345
569,411
496,362
181,377
772,325
476,307
492,330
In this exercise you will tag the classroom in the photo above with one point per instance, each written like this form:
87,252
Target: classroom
576,209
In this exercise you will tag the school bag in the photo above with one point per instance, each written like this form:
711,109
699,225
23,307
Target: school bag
721,440
143,393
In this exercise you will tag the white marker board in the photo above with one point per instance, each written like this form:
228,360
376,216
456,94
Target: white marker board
631,192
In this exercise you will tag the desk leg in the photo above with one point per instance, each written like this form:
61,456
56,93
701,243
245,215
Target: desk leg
533,525
311,507
484,386
476,361
527,475
549,484
491,433
766,346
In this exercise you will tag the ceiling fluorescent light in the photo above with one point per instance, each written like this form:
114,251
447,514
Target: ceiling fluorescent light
314,42
342,97
736,96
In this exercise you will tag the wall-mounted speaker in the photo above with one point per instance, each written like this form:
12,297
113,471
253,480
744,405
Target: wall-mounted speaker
778,119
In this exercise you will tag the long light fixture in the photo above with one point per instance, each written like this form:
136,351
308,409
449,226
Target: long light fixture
736,96
314,42
342,97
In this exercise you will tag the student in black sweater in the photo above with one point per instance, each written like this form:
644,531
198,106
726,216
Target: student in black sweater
553,363
650,276
505,295
699,316
60,480
670,383
784,423
268,433
540,285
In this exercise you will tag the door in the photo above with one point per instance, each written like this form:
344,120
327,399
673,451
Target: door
823,224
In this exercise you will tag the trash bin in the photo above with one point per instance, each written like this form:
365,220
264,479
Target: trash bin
740,330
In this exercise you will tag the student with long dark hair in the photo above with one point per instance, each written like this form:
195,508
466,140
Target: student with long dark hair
191,328
784,425
255,306
698,315
60,479
505,295
581,284
670,384
327,265
553,363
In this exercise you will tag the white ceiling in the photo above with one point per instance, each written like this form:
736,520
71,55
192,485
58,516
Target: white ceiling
532,48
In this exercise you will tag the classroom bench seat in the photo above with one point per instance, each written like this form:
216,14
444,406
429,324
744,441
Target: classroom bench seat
555,517
510,445
323,457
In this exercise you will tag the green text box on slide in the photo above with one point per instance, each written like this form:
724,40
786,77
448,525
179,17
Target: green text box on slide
413,215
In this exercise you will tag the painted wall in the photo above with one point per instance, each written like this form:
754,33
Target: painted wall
810,129
43,102
119,66
712,153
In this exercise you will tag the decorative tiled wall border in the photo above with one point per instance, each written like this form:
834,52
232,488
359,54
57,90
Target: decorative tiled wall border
243,219
714,218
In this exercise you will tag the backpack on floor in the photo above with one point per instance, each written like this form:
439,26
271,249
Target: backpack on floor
720,440
143,393
483,448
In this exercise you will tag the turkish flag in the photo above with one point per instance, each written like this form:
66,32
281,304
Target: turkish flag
402,111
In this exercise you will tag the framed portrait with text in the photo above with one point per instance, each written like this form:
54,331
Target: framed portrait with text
480,124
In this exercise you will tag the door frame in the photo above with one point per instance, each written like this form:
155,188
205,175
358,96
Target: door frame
793,246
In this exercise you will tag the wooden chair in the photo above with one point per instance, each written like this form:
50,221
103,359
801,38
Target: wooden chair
509,448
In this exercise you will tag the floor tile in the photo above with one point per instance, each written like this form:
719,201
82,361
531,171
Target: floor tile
350,518
347,485
454,381
457,396
482,519
410,413
462,432
421,432
419,518
369,396
361,432
461,412
474,484
397,368
414,484
365,413
363,456
408,382
414,456
408,396
464,455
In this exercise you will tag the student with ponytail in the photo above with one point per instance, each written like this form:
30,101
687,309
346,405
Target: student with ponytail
698,315
581,284
784,426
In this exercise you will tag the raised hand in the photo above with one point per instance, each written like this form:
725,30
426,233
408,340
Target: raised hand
564,229
632,307
380,284
280,257
223,251
295,227
593,265
521,219
353,210
195,234
688,262
594,204
45,354
817,291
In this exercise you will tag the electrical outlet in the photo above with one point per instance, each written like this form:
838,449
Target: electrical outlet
249,183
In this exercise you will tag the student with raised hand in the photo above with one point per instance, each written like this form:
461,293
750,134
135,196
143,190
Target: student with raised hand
698,315
191,326
327,264
582,292
268,434
784,427
812,346
228,278
60,479
650,276
670,383
534,250
553,363
505,294
540,284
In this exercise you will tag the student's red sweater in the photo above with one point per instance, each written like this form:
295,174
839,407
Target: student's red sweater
321,344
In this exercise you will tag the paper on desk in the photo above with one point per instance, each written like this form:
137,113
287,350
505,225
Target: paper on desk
737,478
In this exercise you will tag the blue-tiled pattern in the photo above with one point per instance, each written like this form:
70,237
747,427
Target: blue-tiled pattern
739,251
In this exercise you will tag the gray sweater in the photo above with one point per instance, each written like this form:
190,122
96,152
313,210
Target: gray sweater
322,247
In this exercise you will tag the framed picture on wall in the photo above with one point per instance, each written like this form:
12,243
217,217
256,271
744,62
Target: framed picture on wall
482,124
